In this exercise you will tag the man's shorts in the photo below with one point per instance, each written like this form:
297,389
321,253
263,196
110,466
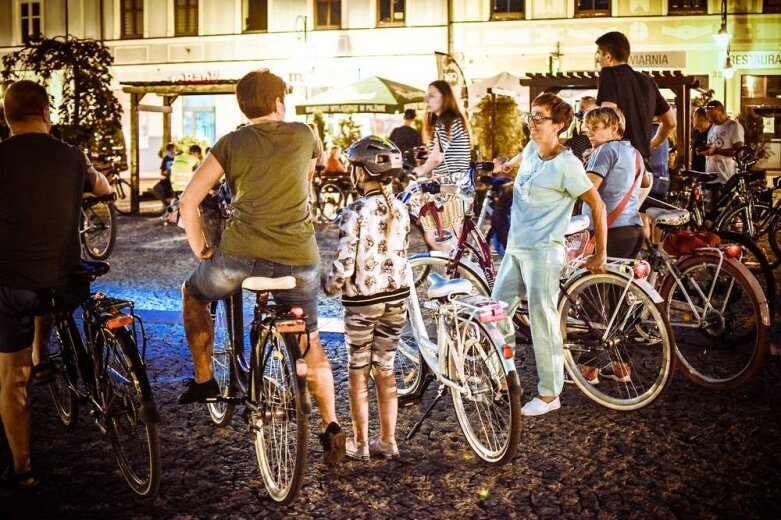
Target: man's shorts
18,308
221,276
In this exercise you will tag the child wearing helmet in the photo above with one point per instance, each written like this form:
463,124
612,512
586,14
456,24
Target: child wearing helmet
371,271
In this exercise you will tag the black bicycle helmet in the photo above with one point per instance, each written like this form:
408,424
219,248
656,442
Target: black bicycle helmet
378,156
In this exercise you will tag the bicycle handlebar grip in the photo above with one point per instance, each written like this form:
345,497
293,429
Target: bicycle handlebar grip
483,165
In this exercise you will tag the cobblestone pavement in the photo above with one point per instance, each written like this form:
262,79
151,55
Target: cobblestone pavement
693,454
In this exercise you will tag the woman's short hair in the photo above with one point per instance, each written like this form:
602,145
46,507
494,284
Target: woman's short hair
24,99
561,112
609,116
257,93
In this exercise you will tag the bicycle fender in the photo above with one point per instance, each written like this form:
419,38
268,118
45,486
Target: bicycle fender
614,269
469,264
498,342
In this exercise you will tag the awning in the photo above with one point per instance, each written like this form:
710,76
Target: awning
372,95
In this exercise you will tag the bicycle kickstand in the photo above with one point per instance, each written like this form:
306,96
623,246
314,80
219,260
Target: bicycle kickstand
416,426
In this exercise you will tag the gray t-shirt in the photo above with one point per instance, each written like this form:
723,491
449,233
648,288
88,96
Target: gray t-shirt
723,136
616,162
544,195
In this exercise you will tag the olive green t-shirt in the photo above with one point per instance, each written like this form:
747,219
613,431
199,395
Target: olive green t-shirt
266,168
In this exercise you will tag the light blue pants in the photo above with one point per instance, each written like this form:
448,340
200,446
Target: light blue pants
533,274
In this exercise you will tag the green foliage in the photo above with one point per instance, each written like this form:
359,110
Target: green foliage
349,132
703,98
754,132
508,134
89,113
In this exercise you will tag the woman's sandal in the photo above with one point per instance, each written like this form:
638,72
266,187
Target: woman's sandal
44,373
18,481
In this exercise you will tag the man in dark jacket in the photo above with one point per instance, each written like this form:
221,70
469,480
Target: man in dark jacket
405,137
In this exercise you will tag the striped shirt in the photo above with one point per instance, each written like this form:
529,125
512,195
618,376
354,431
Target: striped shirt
456,151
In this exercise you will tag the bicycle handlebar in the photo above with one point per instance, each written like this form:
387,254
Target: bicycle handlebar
91,200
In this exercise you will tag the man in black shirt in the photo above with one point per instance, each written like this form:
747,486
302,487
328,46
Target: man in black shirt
405,137
701,126
42,181
634,93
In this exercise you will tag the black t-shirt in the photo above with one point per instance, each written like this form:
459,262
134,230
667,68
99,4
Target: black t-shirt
699,141
405,137
638,97
42,181
578,144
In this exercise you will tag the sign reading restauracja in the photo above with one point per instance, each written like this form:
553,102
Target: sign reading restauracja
756,60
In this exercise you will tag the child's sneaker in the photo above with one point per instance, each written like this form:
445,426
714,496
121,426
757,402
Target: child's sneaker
590,374
356,450
617,371
384,449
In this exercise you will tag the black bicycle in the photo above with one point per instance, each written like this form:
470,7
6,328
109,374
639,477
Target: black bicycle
98,226
271,384
105,369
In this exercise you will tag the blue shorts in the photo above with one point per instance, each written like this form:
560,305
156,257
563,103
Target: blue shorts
222,275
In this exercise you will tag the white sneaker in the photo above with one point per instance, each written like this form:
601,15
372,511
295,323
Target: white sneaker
539,407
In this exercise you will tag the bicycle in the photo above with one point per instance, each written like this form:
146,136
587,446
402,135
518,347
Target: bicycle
473,360
630,330
98,226
121,187
105,369
271,384
717,310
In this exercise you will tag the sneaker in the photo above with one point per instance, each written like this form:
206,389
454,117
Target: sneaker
333,440
539,407
590,374
384,449
206,392
356,450
617,371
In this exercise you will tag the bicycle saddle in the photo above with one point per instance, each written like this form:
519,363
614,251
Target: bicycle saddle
700,176
90,269
577,224
668,217
262,283
441,287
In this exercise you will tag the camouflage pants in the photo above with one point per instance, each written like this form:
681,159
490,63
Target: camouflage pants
372,334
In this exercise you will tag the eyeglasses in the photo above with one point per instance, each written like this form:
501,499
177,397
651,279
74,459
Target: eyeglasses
537,119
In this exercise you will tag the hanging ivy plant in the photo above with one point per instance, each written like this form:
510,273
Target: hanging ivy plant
89,114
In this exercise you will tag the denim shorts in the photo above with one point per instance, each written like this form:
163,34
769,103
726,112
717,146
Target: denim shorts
222,275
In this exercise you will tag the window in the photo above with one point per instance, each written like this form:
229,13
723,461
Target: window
132,12
592,8
255,15
186,17
391,12
687,6
31,20
771,6
328,14
507,10
198,119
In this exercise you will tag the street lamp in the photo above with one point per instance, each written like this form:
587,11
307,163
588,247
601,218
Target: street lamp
728,71
723,36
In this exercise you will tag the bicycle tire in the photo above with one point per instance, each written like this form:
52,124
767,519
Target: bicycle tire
64,397
98,230
492,389
756,262
765,218
223,367
130,411
634,341
412,376
122,189
277,402
718,352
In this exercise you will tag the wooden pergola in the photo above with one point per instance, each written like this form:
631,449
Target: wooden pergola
680,84
169,91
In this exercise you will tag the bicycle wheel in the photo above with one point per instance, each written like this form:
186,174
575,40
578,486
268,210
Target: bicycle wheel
724,348
766,232
278,424
98,230
129,411
756,262
489,413
608,322
122,189
222,412
330,198
64,397
412,378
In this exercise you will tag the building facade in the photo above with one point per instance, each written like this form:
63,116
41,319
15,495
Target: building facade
318,44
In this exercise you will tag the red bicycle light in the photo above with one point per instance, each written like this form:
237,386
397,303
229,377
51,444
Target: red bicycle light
298,312
120,321
733,250
641,270
507,352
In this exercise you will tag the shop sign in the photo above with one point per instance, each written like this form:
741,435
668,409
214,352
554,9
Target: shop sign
756,60
195,76
658,60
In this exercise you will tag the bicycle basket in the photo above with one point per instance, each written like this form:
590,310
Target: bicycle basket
575,245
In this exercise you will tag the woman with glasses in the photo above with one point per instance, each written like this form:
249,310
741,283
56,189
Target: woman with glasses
549,182
446,130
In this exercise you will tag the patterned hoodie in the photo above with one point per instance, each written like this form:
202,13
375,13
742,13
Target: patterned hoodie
368,267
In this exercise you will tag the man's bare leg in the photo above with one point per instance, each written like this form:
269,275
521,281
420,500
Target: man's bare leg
15,407
320,378
43,332
199,330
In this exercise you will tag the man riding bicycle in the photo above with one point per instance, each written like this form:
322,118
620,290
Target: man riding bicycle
271,234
